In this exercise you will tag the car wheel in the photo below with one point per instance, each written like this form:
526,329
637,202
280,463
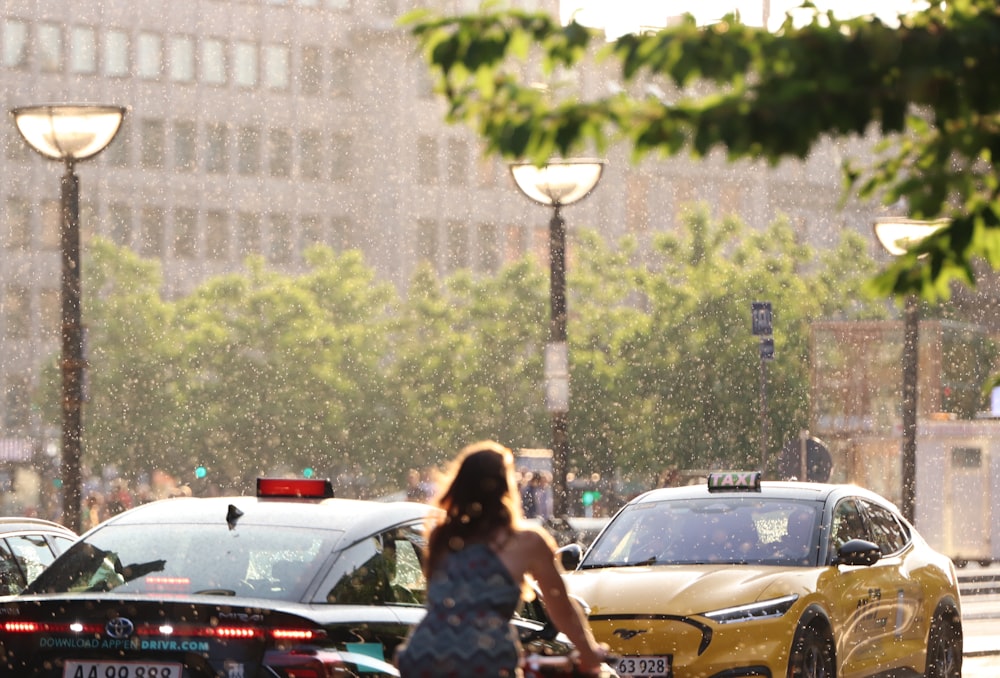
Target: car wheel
812,654
944,646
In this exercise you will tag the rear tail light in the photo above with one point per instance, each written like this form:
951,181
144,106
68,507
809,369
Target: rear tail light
278,634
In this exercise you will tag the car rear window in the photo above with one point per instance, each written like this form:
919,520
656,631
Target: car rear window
262,561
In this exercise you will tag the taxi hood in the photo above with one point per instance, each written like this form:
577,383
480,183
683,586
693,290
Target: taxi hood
682,589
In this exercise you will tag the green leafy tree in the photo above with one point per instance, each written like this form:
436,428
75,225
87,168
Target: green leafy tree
132,380
928,85
280,371
467,364
666,372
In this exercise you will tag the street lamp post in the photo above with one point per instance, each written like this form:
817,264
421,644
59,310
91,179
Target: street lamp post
70,133
556,184
898,236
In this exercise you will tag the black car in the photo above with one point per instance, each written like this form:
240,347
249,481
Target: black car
290,583
27,547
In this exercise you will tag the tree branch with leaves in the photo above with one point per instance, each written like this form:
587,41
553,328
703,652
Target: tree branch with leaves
926,86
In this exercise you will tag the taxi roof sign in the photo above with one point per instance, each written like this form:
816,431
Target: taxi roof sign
296,488
734,481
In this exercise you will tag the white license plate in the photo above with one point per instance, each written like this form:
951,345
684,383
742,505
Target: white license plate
78,669
648,666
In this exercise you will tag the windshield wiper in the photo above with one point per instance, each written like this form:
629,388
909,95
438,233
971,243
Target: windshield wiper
595,566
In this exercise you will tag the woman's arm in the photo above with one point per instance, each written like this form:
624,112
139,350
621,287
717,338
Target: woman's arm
564,612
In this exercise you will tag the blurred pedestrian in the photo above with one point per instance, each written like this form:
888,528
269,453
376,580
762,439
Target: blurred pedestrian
119,499
479,555
414,488
542,490
527,490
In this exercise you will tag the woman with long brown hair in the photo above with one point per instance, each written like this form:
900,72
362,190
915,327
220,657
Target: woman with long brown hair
480,555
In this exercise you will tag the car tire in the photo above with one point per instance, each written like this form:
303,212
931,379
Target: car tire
812,654
944,646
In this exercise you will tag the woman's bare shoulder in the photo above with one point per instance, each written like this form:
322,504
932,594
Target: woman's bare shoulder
534,537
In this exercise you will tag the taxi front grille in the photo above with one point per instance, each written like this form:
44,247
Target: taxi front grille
651,631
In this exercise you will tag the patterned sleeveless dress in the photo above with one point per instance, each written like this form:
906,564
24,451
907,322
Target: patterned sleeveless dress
467,630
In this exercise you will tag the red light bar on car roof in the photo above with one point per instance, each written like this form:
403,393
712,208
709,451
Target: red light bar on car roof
734,481
297,488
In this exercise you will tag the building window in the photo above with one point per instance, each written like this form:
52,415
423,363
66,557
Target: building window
245,64
342,235
279,153
120,223
341,153
17,410
51,225
185,145
488,241
50,312
486,171
458,246
149,60
15,44
427,160
117,152
216,151
517,243
282,238
182,58
248,150
17,309
82,50
185,233
18,236
313,230
277,63
88,220
217,235
152,144
213,61
153,222
340,74
249,231
311,70
458,162
427,241
48,48
312,150
115,57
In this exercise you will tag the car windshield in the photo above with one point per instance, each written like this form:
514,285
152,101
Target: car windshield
274,562
737,529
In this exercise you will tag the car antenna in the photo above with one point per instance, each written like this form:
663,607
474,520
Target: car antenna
232,515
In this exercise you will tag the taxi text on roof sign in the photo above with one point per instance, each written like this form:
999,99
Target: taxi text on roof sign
734,481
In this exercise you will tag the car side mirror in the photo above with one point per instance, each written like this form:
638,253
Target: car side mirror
858,552
570,556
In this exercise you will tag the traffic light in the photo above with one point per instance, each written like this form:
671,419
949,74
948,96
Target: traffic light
200,472
308,472
590,496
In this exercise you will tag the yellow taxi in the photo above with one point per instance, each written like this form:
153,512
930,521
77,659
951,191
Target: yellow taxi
739,577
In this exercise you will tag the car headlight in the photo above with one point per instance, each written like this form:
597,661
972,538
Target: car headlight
761,610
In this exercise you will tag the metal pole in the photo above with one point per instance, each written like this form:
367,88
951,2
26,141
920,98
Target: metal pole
763,415
72,351
911,337
557,334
